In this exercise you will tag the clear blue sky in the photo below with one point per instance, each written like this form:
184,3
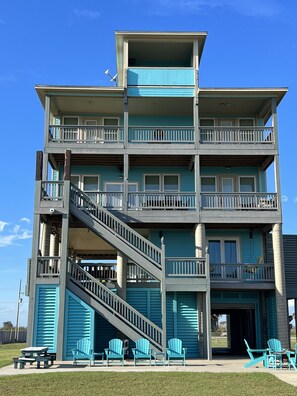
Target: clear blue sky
250,43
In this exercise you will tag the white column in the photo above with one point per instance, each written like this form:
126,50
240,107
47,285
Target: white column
200,240
121,275
280,286
45,241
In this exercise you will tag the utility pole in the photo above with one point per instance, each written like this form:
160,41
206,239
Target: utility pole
16,333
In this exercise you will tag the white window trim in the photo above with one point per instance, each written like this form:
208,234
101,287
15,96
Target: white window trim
244,177
209,176
227,238
161,181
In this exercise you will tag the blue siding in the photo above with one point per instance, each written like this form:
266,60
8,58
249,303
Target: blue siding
271,316
79,323
182,320
174,121
46,316
162,92
163,77
178,243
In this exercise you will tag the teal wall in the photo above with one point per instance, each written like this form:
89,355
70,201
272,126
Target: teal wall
79,323
162,92
178,243
271,315
46,316
162,77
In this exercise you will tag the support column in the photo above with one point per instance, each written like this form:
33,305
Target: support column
45,239
125,186
163,296
280,286
122,275
197,182
200,240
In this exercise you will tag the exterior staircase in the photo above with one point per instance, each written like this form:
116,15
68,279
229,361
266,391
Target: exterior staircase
114,309
117,233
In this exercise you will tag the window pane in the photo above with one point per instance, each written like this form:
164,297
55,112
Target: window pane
208,184
152,183
90,183
246,122
111,121
230,252
247,184
171,183
114,187
214,252
206,122
70,120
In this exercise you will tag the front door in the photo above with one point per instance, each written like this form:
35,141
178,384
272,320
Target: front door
223,253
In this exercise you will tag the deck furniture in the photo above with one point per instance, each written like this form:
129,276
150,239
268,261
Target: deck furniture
175,351
98,358
142,351
256,356
115,351
159,358
275,353
31,355
83,351
292,359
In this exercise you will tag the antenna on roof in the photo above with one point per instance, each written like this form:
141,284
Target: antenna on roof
113,78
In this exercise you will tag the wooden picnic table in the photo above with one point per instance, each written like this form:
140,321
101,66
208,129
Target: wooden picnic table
34,354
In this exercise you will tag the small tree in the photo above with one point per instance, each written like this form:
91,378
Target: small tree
7,325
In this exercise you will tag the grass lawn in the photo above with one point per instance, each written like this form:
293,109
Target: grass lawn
8,351
102,383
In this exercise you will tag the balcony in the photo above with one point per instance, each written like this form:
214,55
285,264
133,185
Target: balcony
161,134
86,134
239,201
161,201
236,135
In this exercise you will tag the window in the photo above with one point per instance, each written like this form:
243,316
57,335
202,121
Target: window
91,187
70,134
111,121
246,184
75,180
246,122
208,184
114,196
161,183
111,134
223,251
206,122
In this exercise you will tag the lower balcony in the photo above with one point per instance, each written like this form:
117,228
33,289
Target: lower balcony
239,201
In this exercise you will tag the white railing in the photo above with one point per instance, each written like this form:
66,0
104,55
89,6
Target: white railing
104,272
237,135
161,134
242,272
139,200
52,190
138,274
132,238
115,304
239,201
186,267
109,200
48,266
86,134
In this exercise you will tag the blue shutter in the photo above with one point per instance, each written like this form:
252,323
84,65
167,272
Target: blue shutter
271,316
46,316
79,323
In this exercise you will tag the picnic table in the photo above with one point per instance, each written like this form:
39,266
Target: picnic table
31,355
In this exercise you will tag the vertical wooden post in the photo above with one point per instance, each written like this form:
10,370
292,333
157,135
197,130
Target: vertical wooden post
163,295
39,163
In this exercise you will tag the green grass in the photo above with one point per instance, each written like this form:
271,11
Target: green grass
102,383
8,351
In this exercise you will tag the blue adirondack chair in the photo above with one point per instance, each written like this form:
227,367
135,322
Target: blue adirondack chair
256,356
142,350
292,359
275,353
83,351
175,351
115,351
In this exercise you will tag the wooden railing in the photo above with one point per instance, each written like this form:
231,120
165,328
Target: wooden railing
102,272
161,134
115,304
242,272
186,267
52,190
140,200
86,134
237,135
48,266
138,274
239,201
147,249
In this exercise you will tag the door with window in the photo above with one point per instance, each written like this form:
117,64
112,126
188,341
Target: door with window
246,188
208,188
162,191
91,132
114,196
247,130
227,132
90,185
223,257
228,198
70,133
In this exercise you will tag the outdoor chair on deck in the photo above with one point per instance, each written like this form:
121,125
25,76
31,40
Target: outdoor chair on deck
292,359
261,355
115,351
142,350
82,351
275,353
175,351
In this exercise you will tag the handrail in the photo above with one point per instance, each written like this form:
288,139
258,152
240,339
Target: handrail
86,133
115,304
240,201
48,266
185,267
147,249
242,272
52,190
238,135
161,134
144,200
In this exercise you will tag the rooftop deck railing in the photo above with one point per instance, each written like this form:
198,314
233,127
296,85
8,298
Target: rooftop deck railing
86,134
161,134
239,201
237,135
241,272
